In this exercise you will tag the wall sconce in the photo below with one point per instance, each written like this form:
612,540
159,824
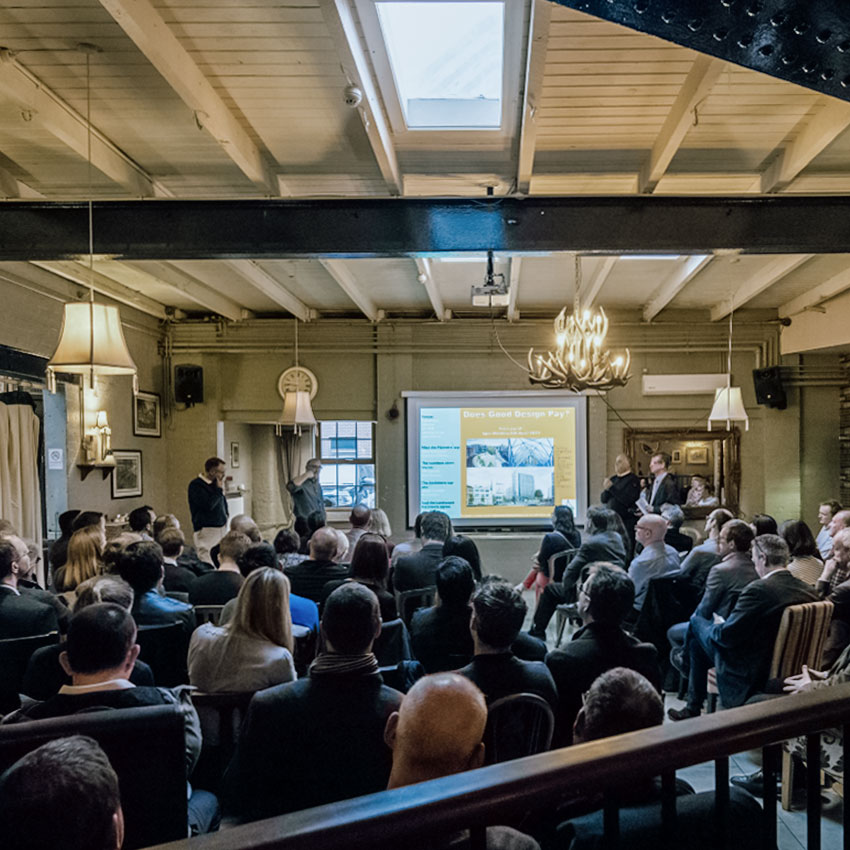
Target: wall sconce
98,443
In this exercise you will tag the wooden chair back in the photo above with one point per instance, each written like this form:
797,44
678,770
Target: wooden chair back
518,725
801,637
221,716
15,654
208,614
405,600
164,648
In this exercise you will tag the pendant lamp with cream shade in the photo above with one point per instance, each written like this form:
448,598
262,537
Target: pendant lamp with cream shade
728,401
298,387
91,341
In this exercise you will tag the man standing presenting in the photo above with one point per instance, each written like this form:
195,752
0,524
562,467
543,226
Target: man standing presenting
306,491
664,488
208,508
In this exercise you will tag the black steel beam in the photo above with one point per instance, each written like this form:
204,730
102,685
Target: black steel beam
184,230
806,42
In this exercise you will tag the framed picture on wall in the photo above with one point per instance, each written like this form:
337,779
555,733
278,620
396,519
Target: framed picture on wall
698,455
234,455
127,475
146,415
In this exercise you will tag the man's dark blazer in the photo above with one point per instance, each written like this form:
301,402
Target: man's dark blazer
724,584
419,569
594,649
503,674
667,493
604,546
441,638
310,742
309,578
680,542
744,643
24,616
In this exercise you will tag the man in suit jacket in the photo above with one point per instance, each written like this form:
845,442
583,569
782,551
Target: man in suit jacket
664,489
604,600
703,557
21,614
420,568
741,647
601,544
308,579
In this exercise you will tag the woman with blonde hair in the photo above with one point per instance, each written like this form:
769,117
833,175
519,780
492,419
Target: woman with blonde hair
85,559
254,650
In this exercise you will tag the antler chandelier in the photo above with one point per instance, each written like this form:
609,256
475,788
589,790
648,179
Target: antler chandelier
580,361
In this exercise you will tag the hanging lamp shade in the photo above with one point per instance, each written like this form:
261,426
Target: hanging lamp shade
297,410
728,407
91,342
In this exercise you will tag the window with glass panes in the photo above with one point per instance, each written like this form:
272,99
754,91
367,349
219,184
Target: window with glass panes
346,448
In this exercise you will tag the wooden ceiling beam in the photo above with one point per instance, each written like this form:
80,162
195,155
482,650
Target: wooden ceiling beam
150,33
426,278
596,281
674,284
535,66
703,75
816,296
260,279
339,19
340,273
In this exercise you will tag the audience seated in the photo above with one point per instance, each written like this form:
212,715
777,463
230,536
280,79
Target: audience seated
605,600
287,544
538,576
63,794
839,627
440,634
113,550
141,521
409,547
602,544
359,520
370,565
254,650
657,558
222,584
45,674
86,519
309,578
464,547
837,568
438,731
243,524
21,615
621,701
826,513
58,553
419,568
84,559
674,537
741,647
177,578
763,524
806,563
320,739
704,556
140,565
100,653
189,557
498,611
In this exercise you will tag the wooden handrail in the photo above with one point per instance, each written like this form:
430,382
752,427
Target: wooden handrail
490,795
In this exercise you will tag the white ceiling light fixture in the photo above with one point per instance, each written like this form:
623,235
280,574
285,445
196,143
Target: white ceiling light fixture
299,386
728,401
580,361
91,341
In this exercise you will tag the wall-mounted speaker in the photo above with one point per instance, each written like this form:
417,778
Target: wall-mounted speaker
188,384
768,387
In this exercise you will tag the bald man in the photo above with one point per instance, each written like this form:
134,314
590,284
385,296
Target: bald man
438,731
657,558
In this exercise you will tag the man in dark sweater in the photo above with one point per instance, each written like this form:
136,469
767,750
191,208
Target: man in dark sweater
221,585
309,578
604,600
498,611
320,739
208,507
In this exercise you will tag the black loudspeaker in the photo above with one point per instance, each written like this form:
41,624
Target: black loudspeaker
768,387
188,384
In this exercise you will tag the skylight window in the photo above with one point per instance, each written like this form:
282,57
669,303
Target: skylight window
447,61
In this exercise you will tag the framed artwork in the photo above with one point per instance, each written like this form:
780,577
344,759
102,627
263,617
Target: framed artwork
146,415
234,455
698,455
127,475
677,456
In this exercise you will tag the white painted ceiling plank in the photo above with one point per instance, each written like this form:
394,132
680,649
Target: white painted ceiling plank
811,139
260,279
699,82
594,284
80,273
339,19
11,187
763,279
143,24
535,67
52,113
340,273
426,278
674,284
819,293
513,292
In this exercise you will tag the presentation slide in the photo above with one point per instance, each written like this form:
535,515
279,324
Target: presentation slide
503,460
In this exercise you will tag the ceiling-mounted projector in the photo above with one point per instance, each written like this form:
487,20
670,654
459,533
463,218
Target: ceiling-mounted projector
495,292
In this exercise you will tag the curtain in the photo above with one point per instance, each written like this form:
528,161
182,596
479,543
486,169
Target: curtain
293,451
20,493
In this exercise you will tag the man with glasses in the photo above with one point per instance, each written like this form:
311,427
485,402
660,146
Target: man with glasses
656,559
741,647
